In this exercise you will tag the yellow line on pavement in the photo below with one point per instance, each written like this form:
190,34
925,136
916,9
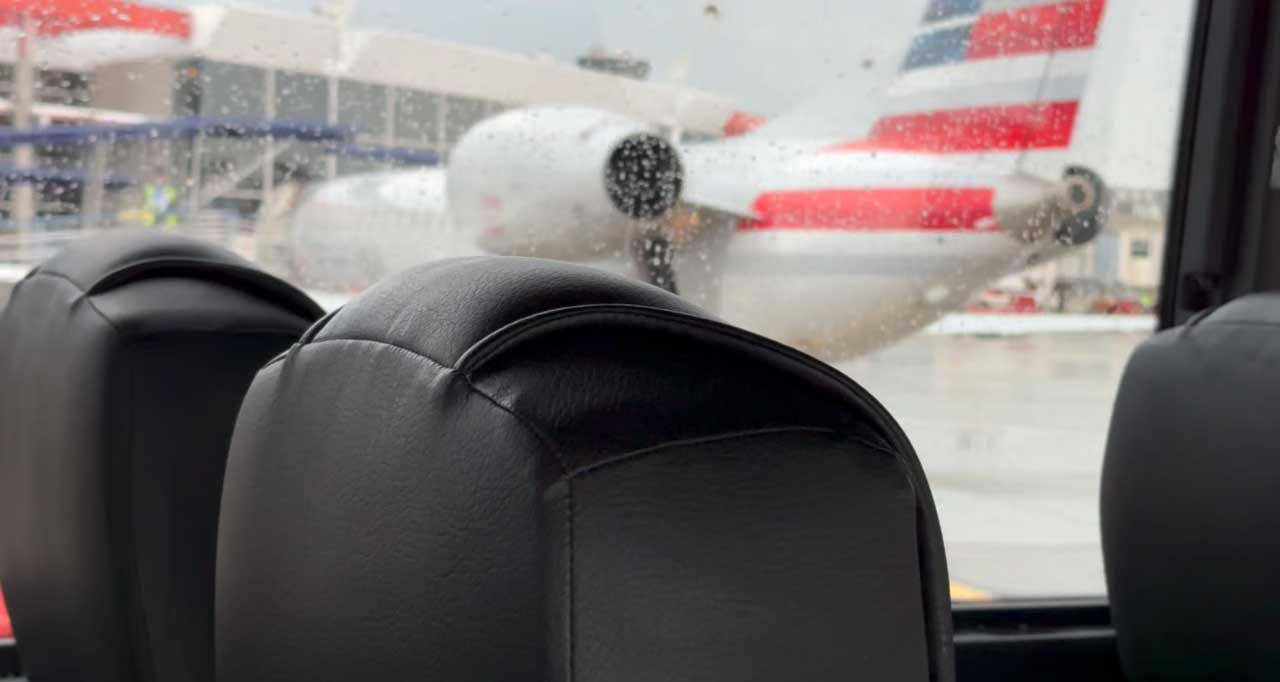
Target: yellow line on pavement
962,592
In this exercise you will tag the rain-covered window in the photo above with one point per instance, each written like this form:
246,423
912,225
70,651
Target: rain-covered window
231,90
960,204
363,107
417,117
460,114
64,87
301,97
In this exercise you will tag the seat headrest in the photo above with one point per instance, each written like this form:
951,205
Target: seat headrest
91,259
1189,511
111,259
123,361
446,307
503,467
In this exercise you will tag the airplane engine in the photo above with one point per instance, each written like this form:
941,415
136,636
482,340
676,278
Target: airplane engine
565,183
1071,211
1084,202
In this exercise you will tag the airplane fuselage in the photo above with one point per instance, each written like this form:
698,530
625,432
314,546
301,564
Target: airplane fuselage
823,264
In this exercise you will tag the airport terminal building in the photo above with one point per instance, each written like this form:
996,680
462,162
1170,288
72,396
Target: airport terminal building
306,97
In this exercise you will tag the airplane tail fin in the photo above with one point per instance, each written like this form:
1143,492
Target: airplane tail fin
984,76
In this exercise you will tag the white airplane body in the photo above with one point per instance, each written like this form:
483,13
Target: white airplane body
834,246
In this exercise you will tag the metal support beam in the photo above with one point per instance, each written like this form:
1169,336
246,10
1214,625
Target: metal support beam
24,90
94,187
268,150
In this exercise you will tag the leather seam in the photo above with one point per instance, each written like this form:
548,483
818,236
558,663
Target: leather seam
719,438
84,296
134,614
40,272
122,334
543,439
252,281
524,421
475,357
318,326
1209,324
388,344
247,331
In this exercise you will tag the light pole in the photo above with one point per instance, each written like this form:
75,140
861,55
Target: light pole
338,12
23,204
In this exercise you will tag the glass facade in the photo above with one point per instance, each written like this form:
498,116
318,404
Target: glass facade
52,86
417,120
231,91
460,114
363,106
227,172
301,97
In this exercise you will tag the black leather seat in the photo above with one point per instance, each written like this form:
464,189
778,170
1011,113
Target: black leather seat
1190,519
123,361
513,469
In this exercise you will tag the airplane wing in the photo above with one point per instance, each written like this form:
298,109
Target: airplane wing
728,174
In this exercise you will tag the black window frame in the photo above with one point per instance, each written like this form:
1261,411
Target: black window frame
1222,242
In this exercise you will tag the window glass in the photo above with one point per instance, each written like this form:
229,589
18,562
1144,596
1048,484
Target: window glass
1139,248
301,97
460,114
231,90
363,106
417,117
63,87
961,204
6,80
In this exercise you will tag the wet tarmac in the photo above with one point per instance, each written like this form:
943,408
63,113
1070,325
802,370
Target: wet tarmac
1011,432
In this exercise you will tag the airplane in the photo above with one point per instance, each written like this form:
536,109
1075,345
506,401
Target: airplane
837,246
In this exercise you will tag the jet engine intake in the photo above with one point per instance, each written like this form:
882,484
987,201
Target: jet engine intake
565,183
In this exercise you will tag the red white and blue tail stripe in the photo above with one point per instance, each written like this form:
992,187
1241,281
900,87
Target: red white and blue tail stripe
985,105
989,76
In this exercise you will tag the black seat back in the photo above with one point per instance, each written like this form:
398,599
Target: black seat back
1190,519
123,361
506,468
